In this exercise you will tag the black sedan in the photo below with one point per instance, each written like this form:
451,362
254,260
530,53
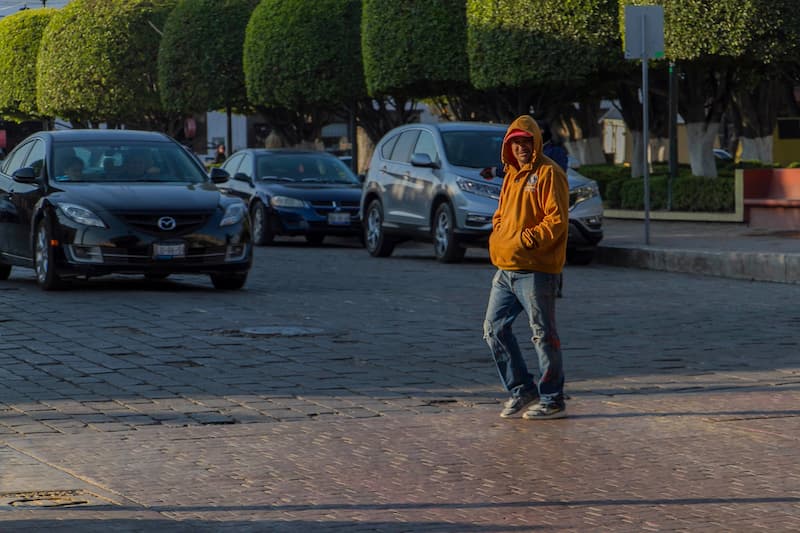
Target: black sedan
295,192
96,202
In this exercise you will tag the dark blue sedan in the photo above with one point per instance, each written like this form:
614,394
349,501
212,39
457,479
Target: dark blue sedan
295,192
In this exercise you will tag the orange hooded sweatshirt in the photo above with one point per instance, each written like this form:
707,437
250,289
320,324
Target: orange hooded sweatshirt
531,224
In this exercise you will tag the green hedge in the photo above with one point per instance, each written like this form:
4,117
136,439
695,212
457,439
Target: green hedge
689,193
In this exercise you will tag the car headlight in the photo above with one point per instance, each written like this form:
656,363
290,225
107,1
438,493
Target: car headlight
234,214
81,215
286,201
583,193
489,190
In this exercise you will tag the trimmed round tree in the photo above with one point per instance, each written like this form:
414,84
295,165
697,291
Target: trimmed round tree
415,48
300,54
20,37
97,62
548,55
722,48
200,57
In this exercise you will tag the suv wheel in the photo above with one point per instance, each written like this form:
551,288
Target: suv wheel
377,244
445,247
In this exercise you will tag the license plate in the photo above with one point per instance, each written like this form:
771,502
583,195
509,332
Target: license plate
339,219
169,251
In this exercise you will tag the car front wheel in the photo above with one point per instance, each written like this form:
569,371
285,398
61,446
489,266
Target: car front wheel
377,244
445,246
262,230
43,258
228,282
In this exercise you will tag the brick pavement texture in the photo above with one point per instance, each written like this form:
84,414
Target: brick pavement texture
151,403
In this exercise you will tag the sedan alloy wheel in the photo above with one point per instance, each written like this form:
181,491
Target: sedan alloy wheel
46,276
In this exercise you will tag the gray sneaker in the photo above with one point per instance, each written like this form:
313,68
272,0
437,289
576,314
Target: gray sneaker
545,411
515,404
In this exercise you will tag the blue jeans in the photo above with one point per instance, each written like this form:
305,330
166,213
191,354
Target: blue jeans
535,293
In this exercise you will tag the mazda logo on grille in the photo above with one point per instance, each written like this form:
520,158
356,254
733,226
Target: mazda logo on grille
167,223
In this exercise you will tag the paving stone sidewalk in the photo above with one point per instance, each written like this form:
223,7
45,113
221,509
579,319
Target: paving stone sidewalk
128,405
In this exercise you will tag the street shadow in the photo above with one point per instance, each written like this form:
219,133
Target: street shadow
104,525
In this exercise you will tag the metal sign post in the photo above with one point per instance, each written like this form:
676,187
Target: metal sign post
644,39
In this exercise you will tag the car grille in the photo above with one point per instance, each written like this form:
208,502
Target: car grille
323,207
212,255
147,222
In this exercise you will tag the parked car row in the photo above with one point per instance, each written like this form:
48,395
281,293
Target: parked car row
94,202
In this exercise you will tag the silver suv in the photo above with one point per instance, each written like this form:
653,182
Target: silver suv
424,183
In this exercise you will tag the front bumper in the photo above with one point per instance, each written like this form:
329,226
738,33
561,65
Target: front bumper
306,221
208,249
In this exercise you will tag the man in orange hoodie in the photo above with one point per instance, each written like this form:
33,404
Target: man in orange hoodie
528,246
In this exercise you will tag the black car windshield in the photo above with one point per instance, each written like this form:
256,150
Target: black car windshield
473,148
127,162
304,168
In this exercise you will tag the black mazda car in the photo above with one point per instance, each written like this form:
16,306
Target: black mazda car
95,202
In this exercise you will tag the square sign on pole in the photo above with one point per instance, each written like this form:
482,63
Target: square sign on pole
644,32
644,39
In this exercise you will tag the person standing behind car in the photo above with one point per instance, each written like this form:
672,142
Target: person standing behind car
555,151
528,246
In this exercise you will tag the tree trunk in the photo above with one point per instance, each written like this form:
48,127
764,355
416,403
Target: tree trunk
757,104
701,137
587,151
659,149
704,93
637,155
757,149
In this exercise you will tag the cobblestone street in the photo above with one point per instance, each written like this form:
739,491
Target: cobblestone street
342,392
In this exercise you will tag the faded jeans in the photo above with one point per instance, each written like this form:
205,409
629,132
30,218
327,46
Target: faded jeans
535,293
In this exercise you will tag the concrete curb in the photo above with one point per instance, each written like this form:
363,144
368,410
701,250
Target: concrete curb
759,266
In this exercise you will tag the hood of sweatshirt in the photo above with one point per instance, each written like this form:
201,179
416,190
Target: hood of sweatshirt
527,124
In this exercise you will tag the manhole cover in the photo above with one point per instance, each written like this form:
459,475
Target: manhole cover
282,331
49,498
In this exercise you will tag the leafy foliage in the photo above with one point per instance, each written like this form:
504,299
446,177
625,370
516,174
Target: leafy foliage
524,43
414,48
20,36
200,57
299,53
97,61
699,29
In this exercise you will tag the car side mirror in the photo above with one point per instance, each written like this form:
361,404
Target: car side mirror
241,176
423,160
219,175
24,175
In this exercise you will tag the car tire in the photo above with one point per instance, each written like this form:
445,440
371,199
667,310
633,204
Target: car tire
315,238
5,272
579,257
375,239
263,233
228,282
445,246
43,259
